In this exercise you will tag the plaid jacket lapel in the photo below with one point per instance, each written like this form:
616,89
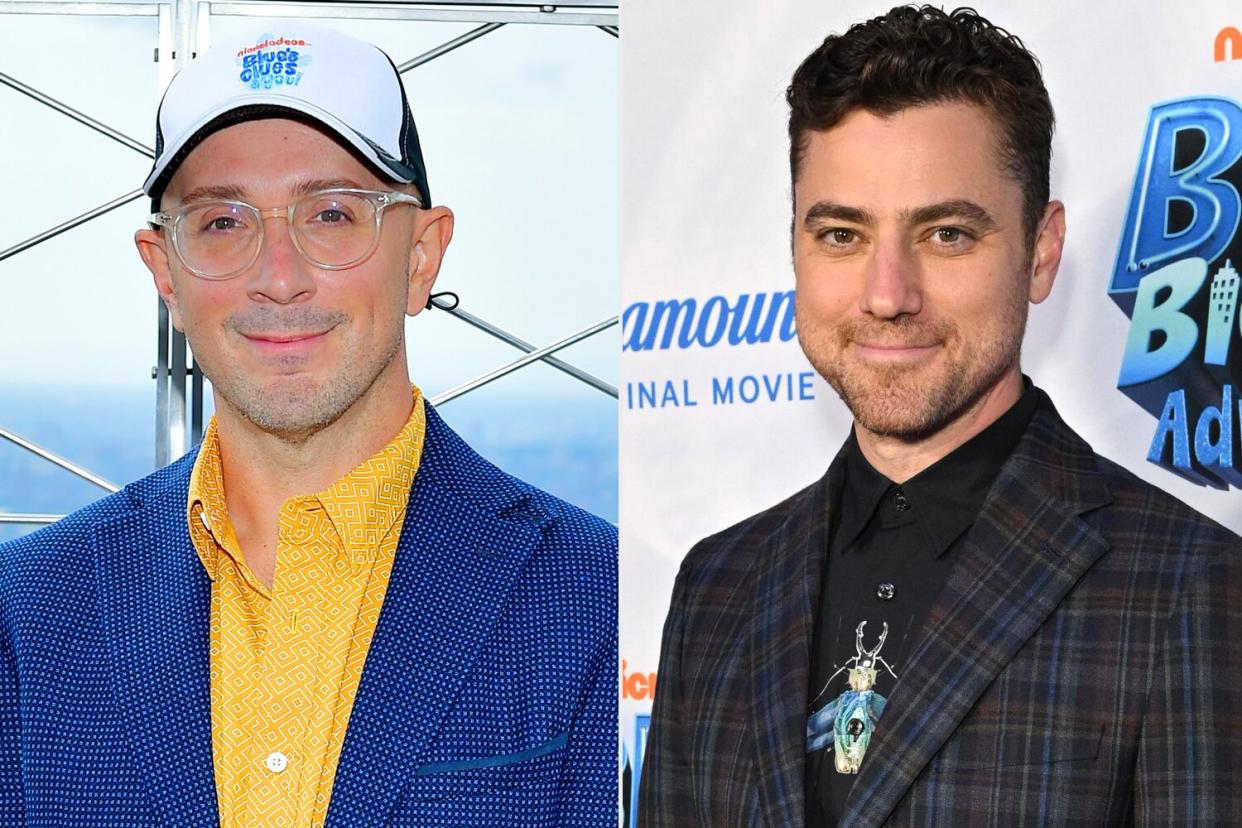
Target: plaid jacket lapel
783,620
1026,550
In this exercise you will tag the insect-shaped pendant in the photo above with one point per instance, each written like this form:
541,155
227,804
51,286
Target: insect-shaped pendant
850,719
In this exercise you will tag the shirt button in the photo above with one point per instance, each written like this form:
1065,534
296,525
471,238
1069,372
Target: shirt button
900,502
885,591
276,761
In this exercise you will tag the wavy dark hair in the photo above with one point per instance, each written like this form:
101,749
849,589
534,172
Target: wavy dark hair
916,55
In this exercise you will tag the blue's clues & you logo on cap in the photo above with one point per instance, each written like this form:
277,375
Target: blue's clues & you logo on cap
274,61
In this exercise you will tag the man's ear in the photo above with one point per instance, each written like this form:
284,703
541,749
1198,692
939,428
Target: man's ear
152,248
1046,255
433,230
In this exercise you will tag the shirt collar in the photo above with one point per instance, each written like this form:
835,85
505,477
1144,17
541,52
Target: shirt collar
368,503
363,505
861,492
946,496
207,513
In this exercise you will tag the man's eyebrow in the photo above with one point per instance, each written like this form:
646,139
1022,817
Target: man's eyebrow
962,209
232,192
214,192
314,185
822,211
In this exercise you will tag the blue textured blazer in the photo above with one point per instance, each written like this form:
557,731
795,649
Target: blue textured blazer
488,697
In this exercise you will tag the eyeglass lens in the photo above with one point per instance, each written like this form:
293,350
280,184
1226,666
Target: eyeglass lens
218,239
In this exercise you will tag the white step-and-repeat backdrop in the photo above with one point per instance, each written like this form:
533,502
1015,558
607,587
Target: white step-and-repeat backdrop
1139,345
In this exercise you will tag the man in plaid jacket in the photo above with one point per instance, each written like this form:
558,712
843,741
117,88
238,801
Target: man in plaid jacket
972,618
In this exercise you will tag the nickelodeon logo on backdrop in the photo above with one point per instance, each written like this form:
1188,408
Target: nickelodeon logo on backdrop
1176,277
1228,45
637,686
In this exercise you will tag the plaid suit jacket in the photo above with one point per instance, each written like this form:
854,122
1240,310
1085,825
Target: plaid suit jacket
1082,664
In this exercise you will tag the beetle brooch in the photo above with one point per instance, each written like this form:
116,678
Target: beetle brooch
850,719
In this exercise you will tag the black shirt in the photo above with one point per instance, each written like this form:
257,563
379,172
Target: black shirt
891,547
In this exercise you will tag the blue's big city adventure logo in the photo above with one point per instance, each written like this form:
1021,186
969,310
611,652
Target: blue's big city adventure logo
1176,277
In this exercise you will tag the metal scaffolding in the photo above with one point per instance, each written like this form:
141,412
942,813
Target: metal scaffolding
183,30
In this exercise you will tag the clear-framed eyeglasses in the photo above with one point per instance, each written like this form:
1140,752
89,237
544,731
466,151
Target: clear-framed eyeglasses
332,229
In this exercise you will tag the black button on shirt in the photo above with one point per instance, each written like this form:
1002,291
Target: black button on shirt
890,551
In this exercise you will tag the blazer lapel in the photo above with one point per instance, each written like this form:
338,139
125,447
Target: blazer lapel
456,562
788,585
154,602
1027,548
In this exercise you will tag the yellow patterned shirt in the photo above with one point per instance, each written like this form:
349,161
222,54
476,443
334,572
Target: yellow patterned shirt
286,662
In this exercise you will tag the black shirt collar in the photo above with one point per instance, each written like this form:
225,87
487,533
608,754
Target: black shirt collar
945,497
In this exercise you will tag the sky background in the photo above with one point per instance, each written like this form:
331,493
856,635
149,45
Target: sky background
519,130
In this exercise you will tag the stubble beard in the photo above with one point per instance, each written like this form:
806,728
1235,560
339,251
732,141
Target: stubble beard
297,406
913,402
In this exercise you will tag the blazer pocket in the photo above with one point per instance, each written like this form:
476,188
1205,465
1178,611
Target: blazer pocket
982,751
536,766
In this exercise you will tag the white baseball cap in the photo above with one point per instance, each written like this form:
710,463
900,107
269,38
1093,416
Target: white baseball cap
291,69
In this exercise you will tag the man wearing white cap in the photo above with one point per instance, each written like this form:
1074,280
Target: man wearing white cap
332,612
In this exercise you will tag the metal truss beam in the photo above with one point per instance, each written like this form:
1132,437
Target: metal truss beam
80,117
533,356
29,519
88,9
119,201
523,345
452,309
448,46
440,12
57,460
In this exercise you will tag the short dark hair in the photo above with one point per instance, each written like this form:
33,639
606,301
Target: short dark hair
917,55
